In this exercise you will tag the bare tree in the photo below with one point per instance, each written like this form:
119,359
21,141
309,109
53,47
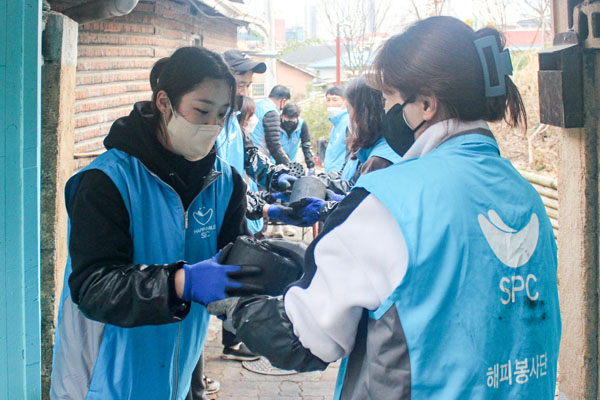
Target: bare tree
357,23
496,10
428,8
541,11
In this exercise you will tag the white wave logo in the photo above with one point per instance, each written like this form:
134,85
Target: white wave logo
203,218
511,247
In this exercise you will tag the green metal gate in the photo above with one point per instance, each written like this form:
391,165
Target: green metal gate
20,51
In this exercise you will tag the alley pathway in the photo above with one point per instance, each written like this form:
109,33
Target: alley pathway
237,383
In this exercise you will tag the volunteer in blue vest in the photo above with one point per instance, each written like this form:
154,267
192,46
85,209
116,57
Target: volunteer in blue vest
259,168
232,348
335,154
435,278
369,152
295,134
266,135
147,218
230,142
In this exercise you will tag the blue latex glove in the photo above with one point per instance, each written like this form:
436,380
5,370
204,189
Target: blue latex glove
308,209
287,215
280,196
285,182
333,196
207,280
311,171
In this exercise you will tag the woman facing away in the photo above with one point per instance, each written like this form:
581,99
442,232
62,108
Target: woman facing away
132,320
435,278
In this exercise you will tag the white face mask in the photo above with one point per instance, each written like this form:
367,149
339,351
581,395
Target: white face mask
251,124
333,112
191,141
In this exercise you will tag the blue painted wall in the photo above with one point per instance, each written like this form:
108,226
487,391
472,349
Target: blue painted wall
20,199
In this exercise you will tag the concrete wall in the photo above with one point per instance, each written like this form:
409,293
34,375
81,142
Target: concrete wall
58,104
295,79
115,57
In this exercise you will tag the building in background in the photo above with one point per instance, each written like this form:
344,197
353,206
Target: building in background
528,34
306,55
280,33
295,34
298,79
310,21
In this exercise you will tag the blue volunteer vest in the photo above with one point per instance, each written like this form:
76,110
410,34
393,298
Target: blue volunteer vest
230,144
477,314
258,135
379,149
335,154
290,143
230,147
154,362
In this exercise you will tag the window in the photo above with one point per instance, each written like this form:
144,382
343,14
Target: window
258,90
197,41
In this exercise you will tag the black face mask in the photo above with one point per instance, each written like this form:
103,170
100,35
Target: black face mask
396,131
289,126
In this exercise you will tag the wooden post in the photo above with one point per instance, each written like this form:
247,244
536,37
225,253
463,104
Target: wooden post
578,235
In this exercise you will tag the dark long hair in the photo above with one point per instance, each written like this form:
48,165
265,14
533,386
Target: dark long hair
369,110
184,70
437,57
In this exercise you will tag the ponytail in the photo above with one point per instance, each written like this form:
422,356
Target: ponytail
156,70
510,106
437,57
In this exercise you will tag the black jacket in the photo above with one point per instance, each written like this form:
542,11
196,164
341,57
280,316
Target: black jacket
104,282
306,144
272,125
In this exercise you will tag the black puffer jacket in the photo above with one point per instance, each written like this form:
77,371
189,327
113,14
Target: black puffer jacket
272,126
104,282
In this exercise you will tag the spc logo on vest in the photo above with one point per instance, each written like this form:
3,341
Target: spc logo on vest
514,249
204,218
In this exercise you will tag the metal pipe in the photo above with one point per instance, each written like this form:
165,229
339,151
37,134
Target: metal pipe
96,10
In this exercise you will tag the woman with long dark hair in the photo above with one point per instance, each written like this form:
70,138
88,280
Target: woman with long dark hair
132,320
368,149
435,278
369,152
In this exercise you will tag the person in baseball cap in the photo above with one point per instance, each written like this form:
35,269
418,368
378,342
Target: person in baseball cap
240,62
230,147
243,68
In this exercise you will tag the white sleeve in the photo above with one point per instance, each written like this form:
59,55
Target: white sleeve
359,263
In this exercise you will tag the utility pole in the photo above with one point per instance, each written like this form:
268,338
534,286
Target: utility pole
271,76
338,75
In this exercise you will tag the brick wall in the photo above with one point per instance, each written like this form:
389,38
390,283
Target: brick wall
115,57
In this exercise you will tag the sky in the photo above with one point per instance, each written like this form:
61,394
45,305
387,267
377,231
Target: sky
400,14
